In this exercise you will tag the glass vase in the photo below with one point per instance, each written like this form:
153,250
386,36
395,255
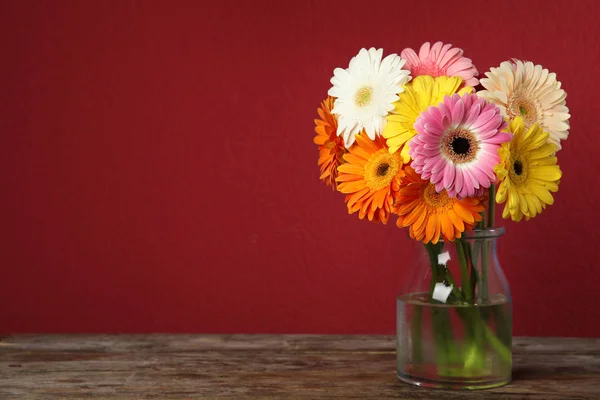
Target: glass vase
454,317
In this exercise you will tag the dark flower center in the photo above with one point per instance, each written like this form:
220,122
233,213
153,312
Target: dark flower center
518,167
382,169
461,145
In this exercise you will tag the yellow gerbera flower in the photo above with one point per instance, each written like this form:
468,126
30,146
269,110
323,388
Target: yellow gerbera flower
370,178
419,94
527,172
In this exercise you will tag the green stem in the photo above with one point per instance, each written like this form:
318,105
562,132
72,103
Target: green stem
474,346
472,259
431,250
473,322
441,325
475,278
417,334
439,273
449,342
464,271
491,206
485,251
503,328
441,341
485,258
441,352
504,352
448,278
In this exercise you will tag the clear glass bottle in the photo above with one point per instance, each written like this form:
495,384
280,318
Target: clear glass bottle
454,317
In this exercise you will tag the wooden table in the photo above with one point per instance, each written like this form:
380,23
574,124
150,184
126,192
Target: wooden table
266,366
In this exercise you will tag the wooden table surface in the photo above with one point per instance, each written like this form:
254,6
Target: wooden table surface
266,366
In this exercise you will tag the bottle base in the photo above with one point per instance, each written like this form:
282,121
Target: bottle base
454,383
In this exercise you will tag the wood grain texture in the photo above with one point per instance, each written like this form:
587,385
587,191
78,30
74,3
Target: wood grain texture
266,366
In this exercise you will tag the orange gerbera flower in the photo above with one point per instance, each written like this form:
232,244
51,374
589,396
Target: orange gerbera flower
370,178
331,146
430,214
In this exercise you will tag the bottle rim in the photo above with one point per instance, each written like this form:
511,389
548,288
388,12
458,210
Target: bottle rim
487,233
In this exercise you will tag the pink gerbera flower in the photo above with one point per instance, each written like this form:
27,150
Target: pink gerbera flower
438,60
457,144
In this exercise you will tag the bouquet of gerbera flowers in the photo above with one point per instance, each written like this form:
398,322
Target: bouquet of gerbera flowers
409,135
418,136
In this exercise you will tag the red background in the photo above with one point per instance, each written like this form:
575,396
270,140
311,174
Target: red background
158,174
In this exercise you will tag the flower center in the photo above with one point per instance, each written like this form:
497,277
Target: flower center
518,171
459,145
381,169
518,167
520,106
363,96
434,199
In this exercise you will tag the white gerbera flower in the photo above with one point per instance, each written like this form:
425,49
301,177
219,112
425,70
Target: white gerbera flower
365,93
522,89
